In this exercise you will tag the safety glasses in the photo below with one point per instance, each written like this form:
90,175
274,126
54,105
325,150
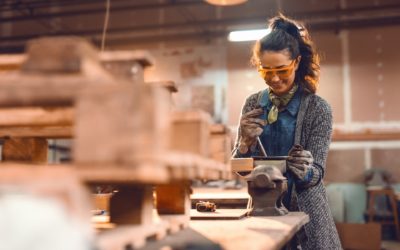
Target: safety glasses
282,73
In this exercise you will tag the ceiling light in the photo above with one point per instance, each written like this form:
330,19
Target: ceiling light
225,2
247,35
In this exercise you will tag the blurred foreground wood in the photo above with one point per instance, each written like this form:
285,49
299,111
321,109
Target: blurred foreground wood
123,136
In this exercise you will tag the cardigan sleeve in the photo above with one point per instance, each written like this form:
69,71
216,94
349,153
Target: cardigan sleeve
250,104
318,131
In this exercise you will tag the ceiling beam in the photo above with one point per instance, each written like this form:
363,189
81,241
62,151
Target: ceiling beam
210,35
310,19
100,10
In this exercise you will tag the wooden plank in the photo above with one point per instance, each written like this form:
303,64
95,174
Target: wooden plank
219,214
253,233
161,168
219,128
55,77
242,164
193,123
128,65
133,121
33,150
142,172
45,89
141,56
188,166
37,116
9,62
63,55
220,147
37,131
132,204
173,198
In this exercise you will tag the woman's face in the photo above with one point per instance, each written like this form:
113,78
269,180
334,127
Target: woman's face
278,70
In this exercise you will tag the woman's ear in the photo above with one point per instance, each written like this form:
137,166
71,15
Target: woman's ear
298,59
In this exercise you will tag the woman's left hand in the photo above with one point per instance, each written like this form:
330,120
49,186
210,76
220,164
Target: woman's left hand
300,161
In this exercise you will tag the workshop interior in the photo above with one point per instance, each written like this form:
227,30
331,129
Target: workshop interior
121,125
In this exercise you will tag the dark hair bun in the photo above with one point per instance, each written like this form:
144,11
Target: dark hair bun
283,23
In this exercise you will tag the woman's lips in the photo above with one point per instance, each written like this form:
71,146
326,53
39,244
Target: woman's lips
275,84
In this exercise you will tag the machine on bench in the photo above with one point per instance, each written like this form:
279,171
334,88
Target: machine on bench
266,183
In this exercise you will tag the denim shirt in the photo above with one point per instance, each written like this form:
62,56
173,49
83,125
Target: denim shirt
278,137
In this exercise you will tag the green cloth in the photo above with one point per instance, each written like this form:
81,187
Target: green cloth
279,102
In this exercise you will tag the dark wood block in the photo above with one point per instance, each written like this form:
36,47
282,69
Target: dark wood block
32,150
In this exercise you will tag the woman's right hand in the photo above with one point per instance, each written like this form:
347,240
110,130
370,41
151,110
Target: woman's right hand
250,128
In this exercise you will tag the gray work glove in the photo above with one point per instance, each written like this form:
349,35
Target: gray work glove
300,162
250,128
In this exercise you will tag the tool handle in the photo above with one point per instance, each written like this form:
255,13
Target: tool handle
261,147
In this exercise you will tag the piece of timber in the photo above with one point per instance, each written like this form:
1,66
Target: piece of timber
14,62
253,233
167,87
173,198
36,116
142,172
37,131
128,65
220,143
242,164
29,150
9,62
45,89
55,77
219,214
116,124
190,132
187,166
132,205
141,56
161,168
64,55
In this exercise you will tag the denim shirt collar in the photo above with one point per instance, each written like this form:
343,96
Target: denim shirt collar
292,107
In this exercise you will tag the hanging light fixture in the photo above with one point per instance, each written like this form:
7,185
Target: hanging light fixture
225,2
247,35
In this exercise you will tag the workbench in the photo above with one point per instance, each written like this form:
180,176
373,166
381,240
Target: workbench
250,233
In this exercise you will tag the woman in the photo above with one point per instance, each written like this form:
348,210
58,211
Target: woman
291,120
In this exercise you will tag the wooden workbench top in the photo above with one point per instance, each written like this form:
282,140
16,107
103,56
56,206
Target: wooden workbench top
252,233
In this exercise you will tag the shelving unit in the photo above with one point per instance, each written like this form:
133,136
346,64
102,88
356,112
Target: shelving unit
122,131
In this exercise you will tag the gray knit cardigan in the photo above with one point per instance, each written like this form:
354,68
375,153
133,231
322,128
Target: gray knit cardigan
313,132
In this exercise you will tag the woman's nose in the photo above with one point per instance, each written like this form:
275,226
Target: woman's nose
275,78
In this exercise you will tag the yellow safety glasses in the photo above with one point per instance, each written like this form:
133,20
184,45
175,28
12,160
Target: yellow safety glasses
282,73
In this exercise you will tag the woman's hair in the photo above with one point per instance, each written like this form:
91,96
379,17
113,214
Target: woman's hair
287,34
